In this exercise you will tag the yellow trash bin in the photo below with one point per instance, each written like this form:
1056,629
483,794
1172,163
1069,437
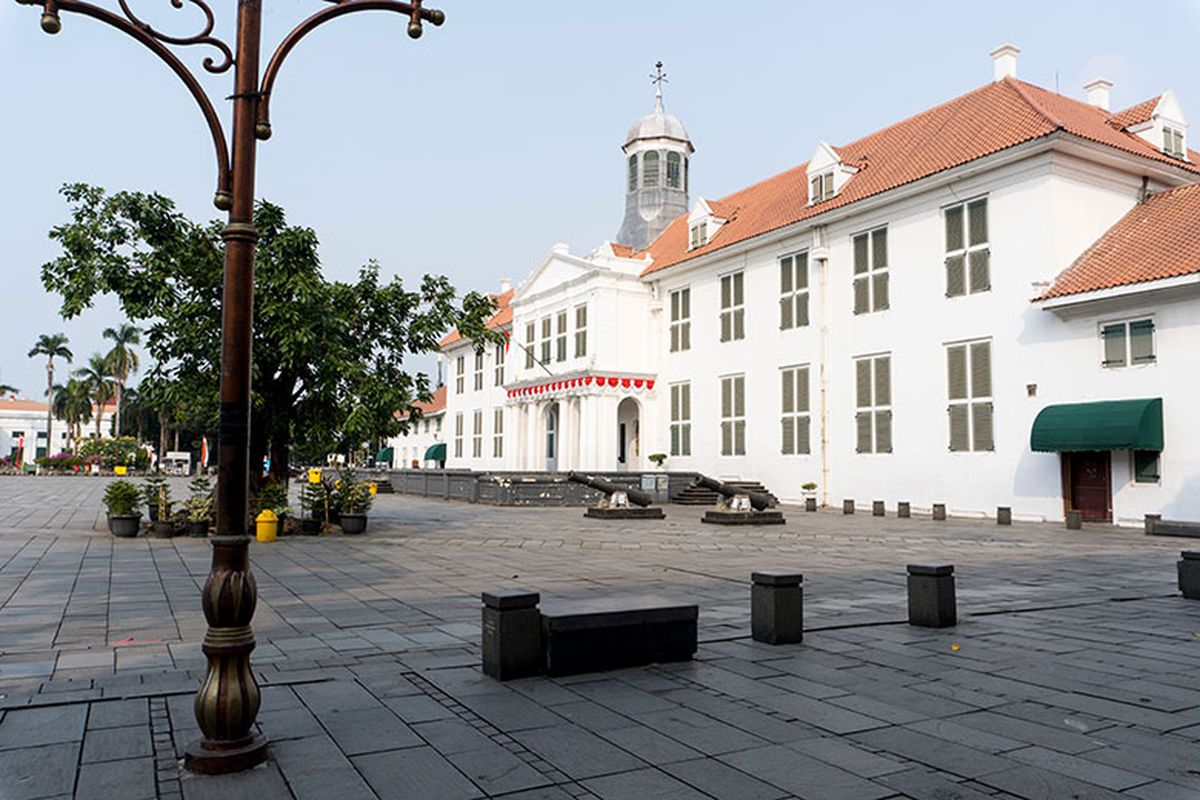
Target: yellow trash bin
120,470
374,487
266,526
314,475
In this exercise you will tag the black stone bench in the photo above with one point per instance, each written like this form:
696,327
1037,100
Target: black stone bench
1157,526
595,635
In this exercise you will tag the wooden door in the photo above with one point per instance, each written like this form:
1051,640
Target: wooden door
1087,484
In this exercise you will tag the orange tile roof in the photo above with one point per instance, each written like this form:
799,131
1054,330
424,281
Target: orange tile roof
435,406
987,120
1134,115
621,250
1156,239
503,316
20,404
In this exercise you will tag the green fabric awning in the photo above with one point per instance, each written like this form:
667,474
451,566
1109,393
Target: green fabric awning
436,452
1107,425
384,455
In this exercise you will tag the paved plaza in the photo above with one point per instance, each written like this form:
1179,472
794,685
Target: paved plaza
1071,673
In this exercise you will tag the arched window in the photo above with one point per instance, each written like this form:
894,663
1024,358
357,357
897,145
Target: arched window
685,174
650,170
672,170
632,173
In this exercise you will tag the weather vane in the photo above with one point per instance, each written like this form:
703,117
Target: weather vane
659,77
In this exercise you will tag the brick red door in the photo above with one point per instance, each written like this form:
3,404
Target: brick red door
1088,484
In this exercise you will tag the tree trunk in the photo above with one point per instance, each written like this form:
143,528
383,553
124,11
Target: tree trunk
162,443
117,421
280,453
49,409
176,432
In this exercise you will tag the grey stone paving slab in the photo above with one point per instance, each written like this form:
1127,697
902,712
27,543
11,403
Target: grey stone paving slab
921,782
1085,770
416,772
119,780
699,731
642,784
116,744
721,780
1034,783
933,752
648,744
576,752
38,726
804,776
37,772
367,730
317,770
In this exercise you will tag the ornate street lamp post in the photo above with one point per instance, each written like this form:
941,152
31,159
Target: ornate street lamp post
227,702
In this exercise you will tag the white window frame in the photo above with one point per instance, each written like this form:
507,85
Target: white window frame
733,316
477,434
875,409
1174,143
968,250
458,435
1126,323
798,416
681,319
530,344
698,234
581,326
547,338
501,357
560,336
460,375
479,359
498,433
733,423
820,187
681,419
873,272
792,296
973,399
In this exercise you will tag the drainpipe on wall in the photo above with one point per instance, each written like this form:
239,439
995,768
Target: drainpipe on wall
821,253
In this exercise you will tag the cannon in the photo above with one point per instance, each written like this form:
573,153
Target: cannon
617,499
738,506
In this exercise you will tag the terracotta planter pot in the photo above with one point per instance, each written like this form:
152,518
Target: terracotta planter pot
353,523
126,527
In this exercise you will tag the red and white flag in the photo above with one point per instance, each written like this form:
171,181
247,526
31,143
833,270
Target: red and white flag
203,452
21,451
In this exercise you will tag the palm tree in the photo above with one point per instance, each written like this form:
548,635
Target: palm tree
51,345
122,360
73,403
97,377
7,389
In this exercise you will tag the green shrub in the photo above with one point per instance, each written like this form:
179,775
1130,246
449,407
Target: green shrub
200,502
354,496
156,494
121,499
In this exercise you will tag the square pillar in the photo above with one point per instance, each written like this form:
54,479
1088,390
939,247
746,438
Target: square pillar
1189,574
512,634
777,607
931,602
1074,520
1004,515
810,504
904,509
939,511
1152,521
847,506
877,509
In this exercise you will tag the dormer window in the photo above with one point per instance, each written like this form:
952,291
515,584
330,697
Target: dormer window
1173,142
822,187
699,234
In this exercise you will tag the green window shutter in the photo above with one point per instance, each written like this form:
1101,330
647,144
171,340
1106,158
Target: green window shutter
862,422
981,421
675,440
788,428
954,228
862,298
977,222
879,253
1141,341
956,276
739,324
785,275
862,383
883,431
632,173
1167,139
687,439
727,398
959,441
802,404
1145,466
802,271
1114,345
802,310
956,364
685,336
727,438
1178,137
738,281
674,338
883,381
862,262
675,403
788,385
981,278
880,290
726,291
686,400
739,397
981,369
685,303
726,326
739,437
675,306
786,317
803,436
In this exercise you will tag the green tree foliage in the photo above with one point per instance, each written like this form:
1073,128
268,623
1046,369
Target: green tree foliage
122,362
97,377
51,345
328,370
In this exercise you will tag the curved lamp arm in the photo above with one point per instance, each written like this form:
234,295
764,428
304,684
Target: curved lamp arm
413,11
154,41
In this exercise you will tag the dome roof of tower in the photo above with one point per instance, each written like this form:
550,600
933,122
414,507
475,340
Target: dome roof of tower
658,124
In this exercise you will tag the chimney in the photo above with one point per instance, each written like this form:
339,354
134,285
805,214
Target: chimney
505,285
1097,92
1004,61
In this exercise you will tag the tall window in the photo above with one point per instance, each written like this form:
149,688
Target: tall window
733,313
530,337
793,291
733,415
498,433
673,170
477,434
501,353
873,401
560,339
870,271
681,320
1128,343
632,173
458,435
795,423
681,419
580,331
650,170
820,187
460,375
478,370
968,270
969,368
546,341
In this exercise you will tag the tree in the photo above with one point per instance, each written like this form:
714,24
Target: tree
328,356
122,360
51,345
7,389
100,385
73,404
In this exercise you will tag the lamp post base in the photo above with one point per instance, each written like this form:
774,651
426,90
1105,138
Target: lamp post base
200,758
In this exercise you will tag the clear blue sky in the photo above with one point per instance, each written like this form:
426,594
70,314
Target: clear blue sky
473,150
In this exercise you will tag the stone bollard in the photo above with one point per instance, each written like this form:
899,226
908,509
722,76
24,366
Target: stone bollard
931,601
877,509
903,509
512,634
1003,515
1189,574
847,506
777,607
1152,521
810,504
939,511
1074,520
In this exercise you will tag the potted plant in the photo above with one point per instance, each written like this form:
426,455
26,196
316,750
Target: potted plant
314,508
161,502
658,459
121,500
354,503
199,506
810,496
150,486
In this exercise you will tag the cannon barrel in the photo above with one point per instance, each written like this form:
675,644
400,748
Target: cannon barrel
758,500
636,496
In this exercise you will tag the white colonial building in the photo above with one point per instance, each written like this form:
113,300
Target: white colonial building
424,444
23,424
993,303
